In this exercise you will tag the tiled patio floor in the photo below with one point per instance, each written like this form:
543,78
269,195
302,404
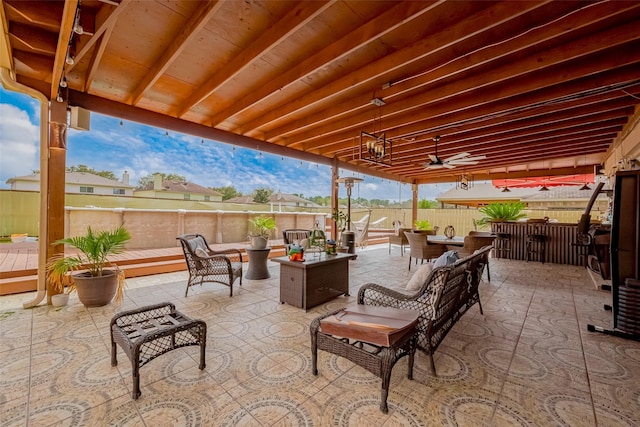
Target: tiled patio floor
528,361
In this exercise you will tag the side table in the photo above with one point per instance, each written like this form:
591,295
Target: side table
148,332
377,359
257,264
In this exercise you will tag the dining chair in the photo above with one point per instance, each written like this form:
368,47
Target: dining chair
421,249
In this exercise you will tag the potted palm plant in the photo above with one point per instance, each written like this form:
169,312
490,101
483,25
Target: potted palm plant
501,212
89,272
261,228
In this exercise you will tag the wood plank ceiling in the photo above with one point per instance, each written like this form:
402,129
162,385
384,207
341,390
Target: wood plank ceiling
538,87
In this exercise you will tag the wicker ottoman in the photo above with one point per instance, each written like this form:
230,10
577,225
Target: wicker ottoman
379,360
148,332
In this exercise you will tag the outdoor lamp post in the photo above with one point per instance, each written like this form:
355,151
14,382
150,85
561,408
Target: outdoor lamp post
348,182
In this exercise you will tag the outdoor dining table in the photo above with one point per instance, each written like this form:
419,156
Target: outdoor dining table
442,240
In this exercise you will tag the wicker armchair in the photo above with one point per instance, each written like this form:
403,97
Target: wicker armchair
295,235
421,249
207,265
399,239
473,242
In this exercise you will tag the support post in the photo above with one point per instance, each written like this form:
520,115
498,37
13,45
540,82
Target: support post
56,174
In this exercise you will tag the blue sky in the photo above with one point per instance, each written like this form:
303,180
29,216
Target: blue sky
141,150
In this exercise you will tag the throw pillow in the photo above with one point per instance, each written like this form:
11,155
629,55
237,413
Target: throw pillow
419,277
447,258
201,253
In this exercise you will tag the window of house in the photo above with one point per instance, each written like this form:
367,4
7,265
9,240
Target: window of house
86,189
187,197
118,191
207,198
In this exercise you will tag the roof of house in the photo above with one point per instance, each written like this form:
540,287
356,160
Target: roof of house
241,199
278,197
561,193
485,192
482,192
83,178
282,197
181,187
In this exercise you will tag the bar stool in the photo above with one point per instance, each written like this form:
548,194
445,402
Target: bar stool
502,245
536,240
582,246
502,242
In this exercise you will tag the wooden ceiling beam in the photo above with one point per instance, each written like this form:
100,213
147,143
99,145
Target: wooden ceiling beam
587,146
188,32
485,176
64,35
386,68
478,142
577,109
299,16
98,52
513,146
547,141
105,18
379,26
470,108
450,62
32,39
571,61
423,173
43,14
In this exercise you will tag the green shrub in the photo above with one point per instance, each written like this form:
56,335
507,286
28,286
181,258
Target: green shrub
422,224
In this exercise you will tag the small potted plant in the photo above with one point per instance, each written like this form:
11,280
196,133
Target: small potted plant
341,220
97,280
260,229
422,226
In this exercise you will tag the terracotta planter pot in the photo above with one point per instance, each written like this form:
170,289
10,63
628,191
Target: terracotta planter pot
96,291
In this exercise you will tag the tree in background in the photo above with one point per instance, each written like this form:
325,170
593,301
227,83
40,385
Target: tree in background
262,195
379,203
86,169
321,200
427,204
148,179
228,192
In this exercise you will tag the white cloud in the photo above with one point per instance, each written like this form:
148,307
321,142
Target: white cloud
20,140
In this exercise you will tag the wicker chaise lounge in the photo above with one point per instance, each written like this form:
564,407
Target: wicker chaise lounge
207,265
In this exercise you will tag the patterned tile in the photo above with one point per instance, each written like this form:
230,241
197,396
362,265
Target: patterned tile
528,360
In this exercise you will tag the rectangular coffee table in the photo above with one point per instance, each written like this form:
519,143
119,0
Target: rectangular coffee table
318,279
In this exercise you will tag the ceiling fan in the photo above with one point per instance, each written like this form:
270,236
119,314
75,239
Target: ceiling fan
460,159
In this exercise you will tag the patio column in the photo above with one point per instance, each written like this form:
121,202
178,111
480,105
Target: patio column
56,173
414,203
334,196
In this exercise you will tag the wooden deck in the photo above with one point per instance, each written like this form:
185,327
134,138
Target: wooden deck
19,261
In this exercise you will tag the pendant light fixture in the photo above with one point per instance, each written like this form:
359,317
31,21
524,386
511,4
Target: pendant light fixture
586,184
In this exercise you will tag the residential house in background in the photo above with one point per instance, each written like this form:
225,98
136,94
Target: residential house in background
78,183
278,200
177,190
564,197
